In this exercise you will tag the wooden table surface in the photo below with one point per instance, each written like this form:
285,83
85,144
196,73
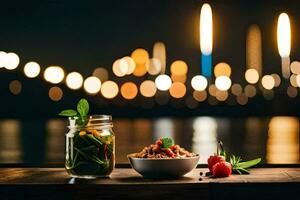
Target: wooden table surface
54,183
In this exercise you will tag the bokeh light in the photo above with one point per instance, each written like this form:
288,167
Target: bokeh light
236,89
129,90
140,70
250,91
163,82
298,80
221,95
293,80
268,82
223,83
12,61
153,66
32,69
3,59
292,91
130,64
55,93
148,88
252,76
177,90
120,67
295,67
109,89
268,94
101,73
284,35
242,99
199,83
222,69
159,52
15,87
74,80
254,49
200,95
206,29
92,85
140,56
179,67
179,78
54,74
212,90
277,79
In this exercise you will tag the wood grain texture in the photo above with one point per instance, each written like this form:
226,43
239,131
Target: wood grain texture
54,183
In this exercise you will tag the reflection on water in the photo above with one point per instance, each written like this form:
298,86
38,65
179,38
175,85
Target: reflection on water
205,137
10,141
275,139
283,140
54,135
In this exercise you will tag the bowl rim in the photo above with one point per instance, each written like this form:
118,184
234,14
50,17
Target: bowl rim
130,156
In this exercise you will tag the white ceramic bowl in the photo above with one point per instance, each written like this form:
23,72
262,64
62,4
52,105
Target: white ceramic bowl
163,167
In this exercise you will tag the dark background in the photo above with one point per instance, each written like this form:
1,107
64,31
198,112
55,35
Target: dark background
83,35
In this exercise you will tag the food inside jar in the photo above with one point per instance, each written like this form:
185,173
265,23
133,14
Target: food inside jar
160,150
90,153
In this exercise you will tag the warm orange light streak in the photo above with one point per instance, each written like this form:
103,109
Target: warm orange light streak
206,29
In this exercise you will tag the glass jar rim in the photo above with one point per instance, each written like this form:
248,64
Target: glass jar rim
99,120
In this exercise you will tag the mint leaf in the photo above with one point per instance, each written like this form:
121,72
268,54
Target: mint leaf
68,113
83,108
249,163
167,142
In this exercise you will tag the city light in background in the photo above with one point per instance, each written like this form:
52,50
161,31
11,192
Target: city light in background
92,85
163,82
74,80
206,39
109,89
54,74
150,72
32,69
254,49
159,53
284,43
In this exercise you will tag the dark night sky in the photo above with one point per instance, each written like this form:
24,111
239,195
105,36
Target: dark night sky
83,35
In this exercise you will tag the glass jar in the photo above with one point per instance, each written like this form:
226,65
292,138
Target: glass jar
90,149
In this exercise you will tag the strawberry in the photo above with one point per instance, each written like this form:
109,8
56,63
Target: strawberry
169,152
212,160
220,156
221,169
158,142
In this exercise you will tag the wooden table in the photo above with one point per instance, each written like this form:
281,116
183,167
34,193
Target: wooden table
54,183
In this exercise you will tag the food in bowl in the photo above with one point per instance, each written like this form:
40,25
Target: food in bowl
163,159
163,148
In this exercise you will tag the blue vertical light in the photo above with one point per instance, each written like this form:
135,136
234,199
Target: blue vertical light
206,63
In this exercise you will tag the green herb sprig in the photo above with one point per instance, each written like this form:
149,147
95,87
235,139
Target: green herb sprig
80,115
167,142
238,166
242,167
